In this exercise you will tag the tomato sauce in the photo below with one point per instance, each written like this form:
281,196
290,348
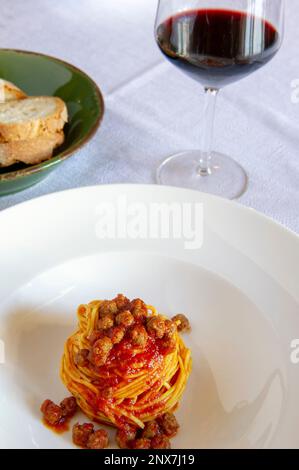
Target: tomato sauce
60,428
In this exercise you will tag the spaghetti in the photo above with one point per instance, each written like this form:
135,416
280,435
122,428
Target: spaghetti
126,364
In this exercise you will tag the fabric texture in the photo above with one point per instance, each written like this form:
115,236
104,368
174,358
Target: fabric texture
153,111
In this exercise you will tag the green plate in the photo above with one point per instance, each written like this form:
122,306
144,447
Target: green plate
38,74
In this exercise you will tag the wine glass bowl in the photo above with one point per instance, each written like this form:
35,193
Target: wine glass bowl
215,43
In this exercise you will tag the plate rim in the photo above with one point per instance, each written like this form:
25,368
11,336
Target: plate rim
227,202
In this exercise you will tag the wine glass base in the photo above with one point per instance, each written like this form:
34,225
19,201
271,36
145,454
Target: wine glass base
226,178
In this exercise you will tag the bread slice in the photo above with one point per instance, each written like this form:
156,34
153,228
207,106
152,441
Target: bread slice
32,117
10,92
31,151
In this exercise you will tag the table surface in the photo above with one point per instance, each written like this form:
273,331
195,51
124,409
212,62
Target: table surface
153,111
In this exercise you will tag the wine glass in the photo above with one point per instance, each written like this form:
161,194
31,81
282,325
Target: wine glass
216,42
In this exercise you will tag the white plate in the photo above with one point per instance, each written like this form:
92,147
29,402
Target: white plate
240,291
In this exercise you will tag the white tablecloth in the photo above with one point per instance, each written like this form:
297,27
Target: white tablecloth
152,110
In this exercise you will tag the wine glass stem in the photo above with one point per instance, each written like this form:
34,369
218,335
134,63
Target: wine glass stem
204,168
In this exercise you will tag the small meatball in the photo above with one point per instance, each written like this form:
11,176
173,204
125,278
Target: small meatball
69,407
151,430
124,436
139,336
98,440
102,346
182,322
81,358
125,319
170,328
156,326
107,393
106,322
101,350
116,334
141,444
45,405
169,424
94,336
138,308
168,344
81,433
121,301
52,413
160,442
107,307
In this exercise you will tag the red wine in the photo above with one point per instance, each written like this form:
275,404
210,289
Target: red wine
217,47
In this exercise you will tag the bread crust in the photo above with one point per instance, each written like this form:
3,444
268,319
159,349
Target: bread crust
10,92
32,127
30,151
